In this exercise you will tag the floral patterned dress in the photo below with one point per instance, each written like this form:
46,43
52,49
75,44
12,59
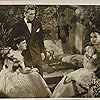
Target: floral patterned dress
79,83
17,84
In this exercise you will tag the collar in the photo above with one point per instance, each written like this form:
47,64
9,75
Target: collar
25,20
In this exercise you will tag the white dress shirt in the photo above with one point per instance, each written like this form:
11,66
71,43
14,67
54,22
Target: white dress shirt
29,25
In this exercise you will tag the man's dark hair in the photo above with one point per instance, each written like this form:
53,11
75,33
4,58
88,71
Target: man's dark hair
29,7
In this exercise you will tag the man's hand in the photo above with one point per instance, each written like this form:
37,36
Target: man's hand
42,56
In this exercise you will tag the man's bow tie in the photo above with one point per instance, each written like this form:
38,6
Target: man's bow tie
29,21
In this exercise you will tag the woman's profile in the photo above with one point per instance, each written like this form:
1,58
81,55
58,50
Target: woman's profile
17,79
81,83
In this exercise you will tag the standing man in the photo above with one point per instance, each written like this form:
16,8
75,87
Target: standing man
31,29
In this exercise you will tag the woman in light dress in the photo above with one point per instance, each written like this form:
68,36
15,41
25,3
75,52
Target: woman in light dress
83,82
16,80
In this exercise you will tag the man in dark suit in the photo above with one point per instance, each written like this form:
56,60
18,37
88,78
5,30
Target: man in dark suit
31,29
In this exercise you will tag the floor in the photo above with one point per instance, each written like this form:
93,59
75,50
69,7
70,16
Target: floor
53,78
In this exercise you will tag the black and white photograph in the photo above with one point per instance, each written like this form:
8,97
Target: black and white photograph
49,51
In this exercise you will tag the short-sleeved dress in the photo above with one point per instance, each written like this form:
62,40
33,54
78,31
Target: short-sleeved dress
77,83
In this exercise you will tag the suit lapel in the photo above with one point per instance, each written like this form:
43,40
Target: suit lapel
34,27
26,27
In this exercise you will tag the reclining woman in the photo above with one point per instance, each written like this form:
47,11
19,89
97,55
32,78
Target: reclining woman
18,80
83,82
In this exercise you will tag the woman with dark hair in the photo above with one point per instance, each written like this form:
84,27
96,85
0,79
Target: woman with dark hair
18,80
30,27
83,82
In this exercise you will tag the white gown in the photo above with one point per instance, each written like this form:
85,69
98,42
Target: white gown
83,79
16,84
